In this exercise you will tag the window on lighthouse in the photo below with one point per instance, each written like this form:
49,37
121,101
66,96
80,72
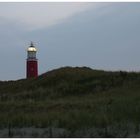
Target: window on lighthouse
31,54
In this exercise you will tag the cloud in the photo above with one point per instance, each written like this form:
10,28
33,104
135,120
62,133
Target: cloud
44,14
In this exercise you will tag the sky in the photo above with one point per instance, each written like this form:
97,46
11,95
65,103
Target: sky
98,35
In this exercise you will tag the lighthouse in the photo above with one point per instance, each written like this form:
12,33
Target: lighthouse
32,62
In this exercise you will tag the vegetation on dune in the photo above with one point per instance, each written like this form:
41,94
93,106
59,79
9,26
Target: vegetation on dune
74,99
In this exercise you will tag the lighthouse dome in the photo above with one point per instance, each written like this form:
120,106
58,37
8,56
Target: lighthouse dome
31,48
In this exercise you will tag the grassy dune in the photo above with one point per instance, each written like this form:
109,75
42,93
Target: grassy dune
84,102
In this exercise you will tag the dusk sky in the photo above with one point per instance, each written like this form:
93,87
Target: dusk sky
97,35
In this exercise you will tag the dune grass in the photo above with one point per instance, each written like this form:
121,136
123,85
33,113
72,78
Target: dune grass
74,99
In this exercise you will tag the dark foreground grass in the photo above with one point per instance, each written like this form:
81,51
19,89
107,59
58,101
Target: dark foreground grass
82,101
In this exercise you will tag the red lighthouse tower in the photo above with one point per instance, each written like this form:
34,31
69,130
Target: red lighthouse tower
32,64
